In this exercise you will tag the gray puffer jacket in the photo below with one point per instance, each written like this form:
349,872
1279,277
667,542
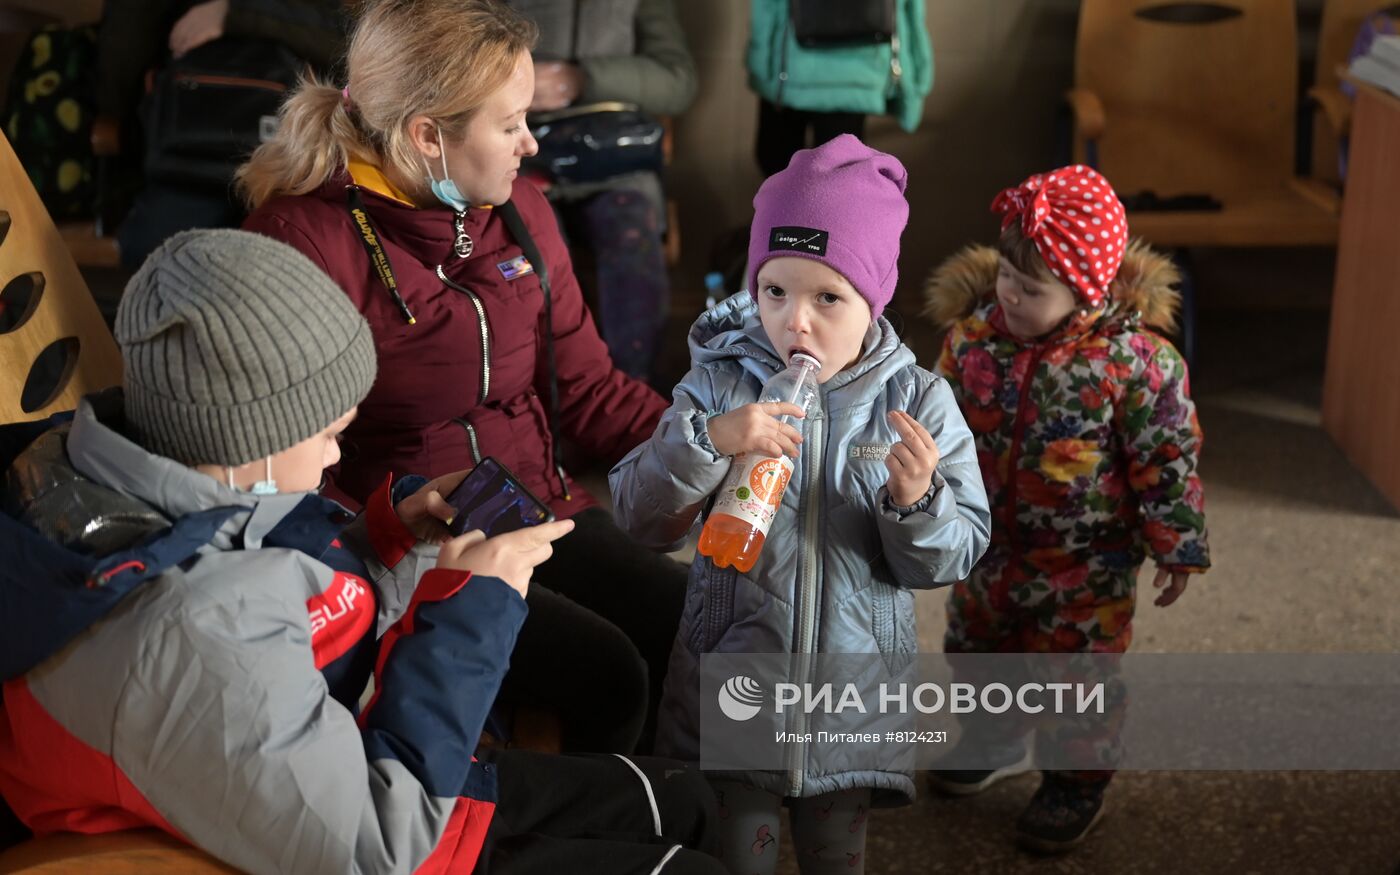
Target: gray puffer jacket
839,564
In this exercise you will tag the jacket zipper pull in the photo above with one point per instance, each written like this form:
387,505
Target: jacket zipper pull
463,245
563,481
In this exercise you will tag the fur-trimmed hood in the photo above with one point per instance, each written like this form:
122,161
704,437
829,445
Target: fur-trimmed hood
1143,285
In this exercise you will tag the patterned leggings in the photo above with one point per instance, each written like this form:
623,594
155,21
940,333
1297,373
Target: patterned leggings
828,830
623,228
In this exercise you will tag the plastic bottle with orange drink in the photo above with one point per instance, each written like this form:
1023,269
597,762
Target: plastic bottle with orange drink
752,492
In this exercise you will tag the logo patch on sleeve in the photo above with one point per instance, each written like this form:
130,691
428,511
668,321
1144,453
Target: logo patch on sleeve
796,239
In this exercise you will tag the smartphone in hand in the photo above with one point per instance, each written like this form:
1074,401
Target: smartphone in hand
491,499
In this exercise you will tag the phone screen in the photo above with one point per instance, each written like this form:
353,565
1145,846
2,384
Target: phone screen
492,500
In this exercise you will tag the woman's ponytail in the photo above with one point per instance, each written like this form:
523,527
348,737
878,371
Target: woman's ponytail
439,58
315,137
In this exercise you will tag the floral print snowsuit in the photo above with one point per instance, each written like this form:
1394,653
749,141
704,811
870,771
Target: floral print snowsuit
1088,443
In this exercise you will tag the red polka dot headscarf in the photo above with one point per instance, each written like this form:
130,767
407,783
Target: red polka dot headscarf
1077,224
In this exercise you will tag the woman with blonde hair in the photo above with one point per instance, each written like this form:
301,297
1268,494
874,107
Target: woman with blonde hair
402,187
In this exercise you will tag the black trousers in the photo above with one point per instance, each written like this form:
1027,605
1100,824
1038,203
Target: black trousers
783,131
594,647
160,211
599,813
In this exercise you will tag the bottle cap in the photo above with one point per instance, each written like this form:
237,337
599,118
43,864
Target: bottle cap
802,358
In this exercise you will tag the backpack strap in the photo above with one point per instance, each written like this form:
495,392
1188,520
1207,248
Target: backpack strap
516,225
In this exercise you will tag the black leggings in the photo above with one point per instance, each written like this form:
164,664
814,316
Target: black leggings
584,814
603,616
783,130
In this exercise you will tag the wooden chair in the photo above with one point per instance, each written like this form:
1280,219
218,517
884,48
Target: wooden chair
1199,98
54,346
1183,99
1341,19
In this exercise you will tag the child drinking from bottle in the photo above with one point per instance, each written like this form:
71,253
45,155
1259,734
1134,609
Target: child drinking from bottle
885,495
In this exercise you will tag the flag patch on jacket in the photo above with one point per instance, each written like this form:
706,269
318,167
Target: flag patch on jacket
516,267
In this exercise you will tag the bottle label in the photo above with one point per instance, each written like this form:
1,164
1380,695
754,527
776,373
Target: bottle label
753,490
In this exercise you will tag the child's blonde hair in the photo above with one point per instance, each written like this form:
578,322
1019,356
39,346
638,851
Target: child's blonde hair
439,58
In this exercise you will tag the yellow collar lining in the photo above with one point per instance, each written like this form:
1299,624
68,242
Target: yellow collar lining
371,178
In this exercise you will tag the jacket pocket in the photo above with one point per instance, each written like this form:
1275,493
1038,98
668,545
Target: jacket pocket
892,625
716,608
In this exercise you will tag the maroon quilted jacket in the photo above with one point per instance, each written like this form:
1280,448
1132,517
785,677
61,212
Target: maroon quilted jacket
470,377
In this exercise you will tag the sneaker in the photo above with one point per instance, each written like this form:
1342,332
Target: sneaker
1059,816
970,782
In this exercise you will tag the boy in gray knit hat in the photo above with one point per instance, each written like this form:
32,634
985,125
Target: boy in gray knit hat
201,675
236,348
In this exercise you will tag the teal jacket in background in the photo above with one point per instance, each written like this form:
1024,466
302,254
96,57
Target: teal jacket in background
875,79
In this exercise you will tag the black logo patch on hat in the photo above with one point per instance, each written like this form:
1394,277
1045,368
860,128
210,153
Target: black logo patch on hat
808,240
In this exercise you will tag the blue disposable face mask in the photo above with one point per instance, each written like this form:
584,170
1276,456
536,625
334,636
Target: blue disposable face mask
265,486
445,190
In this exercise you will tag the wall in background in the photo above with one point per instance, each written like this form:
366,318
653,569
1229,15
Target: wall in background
1000,66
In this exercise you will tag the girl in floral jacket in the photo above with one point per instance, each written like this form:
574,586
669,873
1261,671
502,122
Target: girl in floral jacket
1087,440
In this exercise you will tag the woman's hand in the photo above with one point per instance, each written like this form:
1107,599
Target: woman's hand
512,557
754,428
557,85
911,461
202,24
426,512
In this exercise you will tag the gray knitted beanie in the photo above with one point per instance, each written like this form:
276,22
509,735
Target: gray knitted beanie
237,347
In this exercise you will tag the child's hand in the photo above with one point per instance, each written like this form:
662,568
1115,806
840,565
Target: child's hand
512,557
754,428
911,461
1173,592
426,513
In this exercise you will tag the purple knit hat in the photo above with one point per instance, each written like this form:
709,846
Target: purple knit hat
842,204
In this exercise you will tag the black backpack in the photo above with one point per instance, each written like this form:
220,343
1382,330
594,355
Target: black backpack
209,109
